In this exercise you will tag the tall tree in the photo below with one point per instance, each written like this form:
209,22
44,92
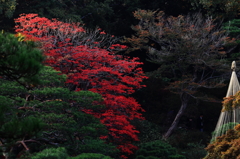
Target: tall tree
189,50
20,62
89,67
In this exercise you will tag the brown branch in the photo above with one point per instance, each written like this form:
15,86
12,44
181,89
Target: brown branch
21,108
33,107
24,145
24,141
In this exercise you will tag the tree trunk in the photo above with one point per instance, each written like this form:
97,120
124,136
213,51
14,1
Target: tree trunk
184,100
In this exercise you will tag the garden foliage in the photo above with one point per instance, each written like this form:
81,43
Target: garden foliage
48,114
89,67
157,149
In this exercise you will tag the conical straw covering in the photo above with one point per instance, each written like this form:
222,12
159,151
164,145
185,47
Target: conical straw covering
228,119
234,86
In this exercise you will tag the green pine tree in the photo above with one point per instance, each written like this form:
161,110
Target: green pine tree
50,115
37,111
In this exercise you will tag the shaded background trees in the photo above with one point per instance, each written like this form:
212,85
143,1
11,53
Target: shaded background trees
188,50
113,16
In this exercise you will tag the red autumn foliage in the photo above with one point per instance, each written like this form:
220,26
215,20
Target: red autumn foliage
92,68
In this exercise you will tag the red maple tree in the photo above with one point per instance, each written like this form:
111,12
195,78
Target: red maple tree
90,67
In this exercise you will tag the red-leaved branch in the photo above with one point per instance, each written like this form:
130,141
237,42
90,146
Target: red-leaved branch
90,64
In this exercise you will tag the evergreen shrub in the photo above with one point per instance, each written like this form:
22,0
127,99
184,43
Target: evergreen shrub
91,156
157,149
52,153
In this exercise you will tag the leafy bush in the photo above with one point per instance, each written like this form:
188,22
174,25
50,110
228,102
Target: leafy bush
194,150
226,146
61,153
149,131
52,153
157,149
91,156
183,137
